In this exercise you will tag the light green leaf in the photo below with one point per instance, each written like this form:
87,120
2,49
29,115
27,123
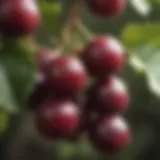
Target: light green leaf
147,59
4,116
135,34
50,13
143,7
7,101
65,150
19,66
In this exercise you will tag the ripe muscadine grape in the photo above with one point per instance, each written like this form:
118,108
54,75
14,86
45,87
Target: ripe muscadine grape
108,95
67,75
58,118
110,134
106,8
18,17
103,55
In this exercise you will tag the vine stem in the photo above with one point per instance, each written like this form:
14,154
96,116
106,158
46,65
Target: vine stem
71,20
32,43
84,30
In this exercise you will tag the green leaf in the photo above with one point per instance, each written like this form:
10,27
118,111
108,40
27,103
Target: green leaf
7,100
84,150
143,7
146,59
65,150
19,67
154,2
135,34
50,15
4,117
48,30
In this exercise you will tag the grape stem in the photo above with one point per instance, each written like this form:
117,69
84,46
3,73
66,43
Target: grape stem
32,43
84,30
73,15
73,21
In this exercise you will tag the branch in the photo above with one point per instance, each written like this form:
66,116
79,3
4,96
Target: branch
32,44
70,21
84,30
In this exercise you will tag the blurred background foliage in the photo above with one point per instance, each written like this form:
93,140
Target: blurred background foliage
139,29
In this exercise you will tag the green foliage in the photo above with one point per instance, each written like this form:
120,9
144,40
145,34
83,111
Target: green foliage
143,7
146,59
16,77
7,100
79,150
50,13
144,41
4,116
134,34
18,67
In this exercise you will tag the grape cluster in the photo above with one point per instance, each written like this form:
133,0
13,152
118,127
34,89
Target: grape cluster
67,104
73,95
